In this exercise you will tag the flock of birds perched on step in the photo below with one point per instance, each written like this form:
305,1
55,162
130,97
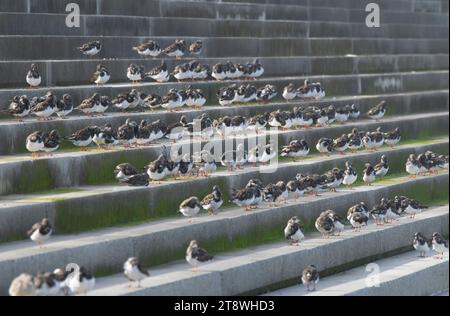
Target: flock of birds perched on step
424,163
44,107
78,280
75,280
133,134
192,70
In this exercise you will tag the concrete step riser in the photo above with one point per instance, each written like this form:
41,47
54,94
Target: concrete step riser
159,201
80,71
398,275
402,104
120,47
406,5
102,255
39,24
223,11
432,280
68,171
162,8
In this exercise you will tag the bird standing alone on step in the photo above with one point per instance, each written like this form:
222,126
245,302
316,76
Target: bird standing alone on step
134,272
40,232
196,255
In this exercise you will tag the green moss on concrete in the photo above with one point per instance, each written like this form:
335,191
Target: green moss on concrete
89,214
12,237
102,171
34,177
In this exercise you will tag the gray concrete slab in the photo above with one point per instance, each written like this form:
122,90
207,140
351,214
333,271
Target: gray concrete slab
238,10
263,266
76,72
54,24
401,275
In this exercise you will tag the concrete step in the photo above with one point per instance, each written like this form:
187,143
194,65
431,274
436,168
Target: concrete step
62,47
335,85
75,72
99,250
81,208
212,10
54,24
256,269
401,275
406,5
72,167
400,104
250,8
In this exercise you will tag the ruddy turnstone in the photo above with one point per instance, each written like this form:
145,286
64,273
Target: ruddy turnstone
369,174
151,48
19,107
196,255
310,278
196,47
101,76
23,285
213,201
33,77
294,231
35,143
440,245
295,149
51,141
44,107
64,106
133,271
378,111
82,138
325,146
81,282
422,244
190,207
91,48
177,49
40,232
382,168
135,73
350,175
124,171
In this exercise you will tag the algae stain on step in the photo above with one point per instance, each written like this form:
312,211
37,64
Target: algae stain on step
34,177
90,215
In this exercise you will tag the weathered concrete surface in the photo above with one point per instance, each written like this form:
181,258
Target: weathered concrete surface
211,10
263,266
78,168
406,5
76,72
402,275
62,47
54,24
99,250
